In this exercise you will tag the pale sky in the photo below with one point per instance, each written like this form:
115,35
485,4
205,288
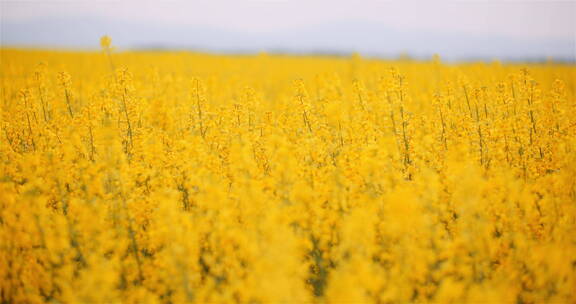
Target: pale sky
514,19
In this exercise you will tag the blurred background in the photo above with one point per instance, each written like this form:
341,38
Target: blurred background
456,30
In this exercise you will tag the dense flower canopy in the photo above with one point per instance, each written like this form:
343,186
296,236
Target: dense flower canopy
182,177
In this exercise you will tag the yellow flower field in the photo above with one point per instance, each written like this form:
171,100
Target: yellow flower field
174,177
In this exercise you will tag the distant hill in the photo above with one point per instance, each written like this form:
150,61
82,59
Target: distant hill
340,38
